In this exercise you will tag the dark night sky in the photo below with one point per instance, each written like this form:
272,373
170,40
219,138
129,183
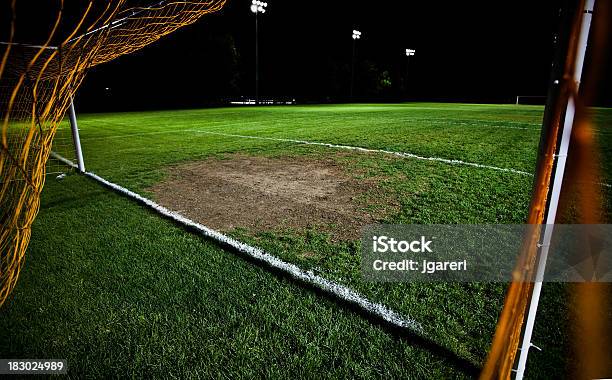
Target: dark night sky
466,51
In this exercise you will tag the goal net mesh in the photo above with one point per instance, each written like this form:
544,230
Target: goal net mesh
37,83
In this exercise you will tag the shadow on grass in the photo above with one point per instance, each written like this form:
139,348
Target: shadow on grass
399,333
69,200
404,334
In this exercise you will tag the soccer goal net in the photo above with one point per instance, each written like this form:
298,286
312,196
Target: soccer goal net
37,83
539,100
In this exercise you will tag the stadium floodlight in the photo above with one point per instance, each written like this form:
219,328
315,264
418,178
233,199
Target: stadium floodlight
409,53
356,36
257,7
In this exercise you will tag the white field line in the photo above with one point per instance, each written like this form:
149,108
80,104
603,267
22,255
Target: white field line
398,154
223,125
309,277
335,146
504,127
368,150
94,138
361,149
475,123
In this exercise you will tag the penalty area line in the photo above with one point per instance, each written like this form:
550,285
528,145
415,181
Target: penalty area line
330,287
369,150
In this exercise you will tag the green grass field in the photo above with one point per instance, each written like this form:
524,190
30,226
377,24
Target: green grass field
117,290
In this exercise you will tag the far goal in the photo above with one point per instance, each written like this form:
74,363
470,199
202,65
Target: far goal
537,100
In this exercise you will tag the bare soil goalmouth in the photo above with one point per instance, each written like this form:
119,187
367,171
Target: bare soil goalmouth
270,194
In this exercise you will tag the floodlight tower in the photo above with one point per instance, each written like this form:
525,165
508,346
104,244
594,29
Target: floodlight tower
356,36
257,7
409,53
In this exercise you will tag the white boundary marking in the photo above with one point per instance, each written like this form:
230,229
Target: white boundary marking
304,142
368,150
348,147
294,271
171,131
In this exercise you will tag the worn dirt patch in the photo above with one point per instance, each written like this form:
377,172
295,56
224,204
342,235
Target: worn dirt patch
269,194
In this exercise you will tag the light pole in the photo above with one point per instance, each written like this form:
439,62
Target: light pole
257,7
356,36
409,53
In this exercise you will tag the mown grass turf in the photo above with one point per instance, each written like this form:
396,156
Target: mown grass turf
120,292
498,135
494,135
136,149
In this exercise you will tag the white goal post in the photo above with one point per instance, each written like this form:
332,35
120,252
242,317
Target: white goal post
531,99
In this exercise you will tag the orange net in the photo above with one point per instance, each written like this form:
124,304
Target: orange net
507,337
36,87
582,184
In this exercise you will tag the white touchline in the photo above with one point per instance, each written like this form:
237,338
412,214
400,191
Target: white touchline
471,122
368,150
173,131
294,271
224,124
